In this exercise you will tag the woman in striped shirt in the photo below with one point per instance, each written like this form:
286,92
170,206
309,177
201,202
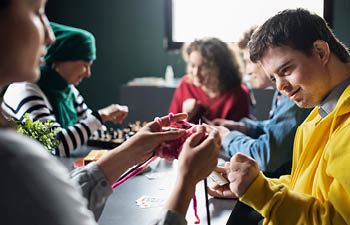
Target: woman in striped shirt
54,97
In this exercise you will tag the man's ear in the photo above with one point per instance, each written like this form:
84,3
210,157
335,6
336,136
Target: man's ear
322,51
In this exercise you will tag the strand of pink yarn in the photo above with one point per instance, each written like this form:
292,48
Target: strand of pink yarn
194,199
138,170
133,173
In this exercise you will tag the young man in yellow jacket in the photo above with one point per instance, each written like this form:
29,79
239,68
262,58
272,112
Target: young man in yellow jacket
311,66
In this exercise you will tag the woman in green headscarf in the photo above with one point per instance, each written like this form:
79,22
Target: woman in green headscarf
54,97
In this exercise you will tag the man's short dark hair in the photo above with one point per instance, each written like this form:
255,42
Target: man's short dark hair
297,28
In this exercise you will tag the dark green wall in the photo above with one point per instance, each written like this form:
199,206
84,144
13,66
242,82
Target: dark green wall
341,20
129,36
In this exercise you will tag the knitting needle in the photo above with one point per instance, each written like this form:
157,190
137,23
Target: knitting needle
206,192
206,200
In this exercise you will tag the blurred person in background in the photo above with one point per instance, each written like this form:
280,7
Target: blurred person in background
54,97
212,87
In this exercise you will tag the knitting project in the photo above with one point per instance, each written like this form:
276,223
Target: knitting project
170,150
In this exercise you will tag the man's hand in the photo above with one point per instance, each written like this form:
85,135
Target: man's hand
243,170
223,191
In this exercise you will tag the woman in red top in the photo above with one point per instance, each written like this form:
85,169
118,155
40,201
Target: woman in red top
212,88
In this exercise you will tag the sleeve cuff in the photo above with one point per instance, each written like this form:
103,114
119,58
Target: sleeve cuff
226,142
251,197
97,115
96,173
261,193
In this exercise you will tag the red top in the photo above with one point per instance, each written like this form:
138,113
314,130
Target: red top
231,105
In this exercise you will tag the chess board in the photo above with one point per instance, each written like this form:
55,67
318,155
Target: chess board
112,138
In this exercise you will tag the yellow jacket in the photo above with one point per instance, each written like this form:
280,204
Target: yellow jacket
318,189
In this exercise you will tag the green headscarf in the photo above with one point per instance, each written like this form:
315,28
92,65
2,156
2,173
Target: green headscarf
71,44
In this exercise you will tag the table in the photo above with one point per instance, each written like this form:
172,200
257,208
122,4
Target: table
121,207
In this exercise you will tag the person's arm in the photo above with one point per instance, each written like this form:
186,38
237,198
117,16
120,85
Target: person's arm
96,178
94,186
326,207
139,147
23,98
196,161
224,191
36,188
272,149
230,124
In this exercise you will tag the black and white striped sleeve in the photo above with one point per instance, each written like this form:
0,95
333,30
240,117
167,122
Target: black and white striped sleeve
21,98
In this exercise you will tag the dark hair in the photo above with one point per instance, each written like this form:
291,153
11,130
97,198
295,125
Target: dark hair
217,53
297,28
4,4
243,42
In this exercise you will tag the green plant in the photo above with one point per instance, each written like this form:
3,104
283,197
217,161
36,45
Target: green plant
42,132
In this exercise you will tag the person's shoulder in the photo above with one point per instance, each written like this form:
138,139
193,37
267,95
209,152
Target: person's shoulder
186,83
20,151
14,143
17,92
186,80
29,167
24,87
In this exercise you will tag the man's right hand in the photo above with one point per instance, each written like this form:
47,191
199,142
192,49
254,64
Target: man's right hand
241,173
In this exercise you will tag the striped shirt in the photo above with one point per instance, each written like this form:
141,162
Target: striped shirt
25,97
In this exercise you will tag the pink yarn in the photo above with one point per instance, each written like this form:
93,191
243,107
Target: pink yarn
194,199
133,173
170,150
